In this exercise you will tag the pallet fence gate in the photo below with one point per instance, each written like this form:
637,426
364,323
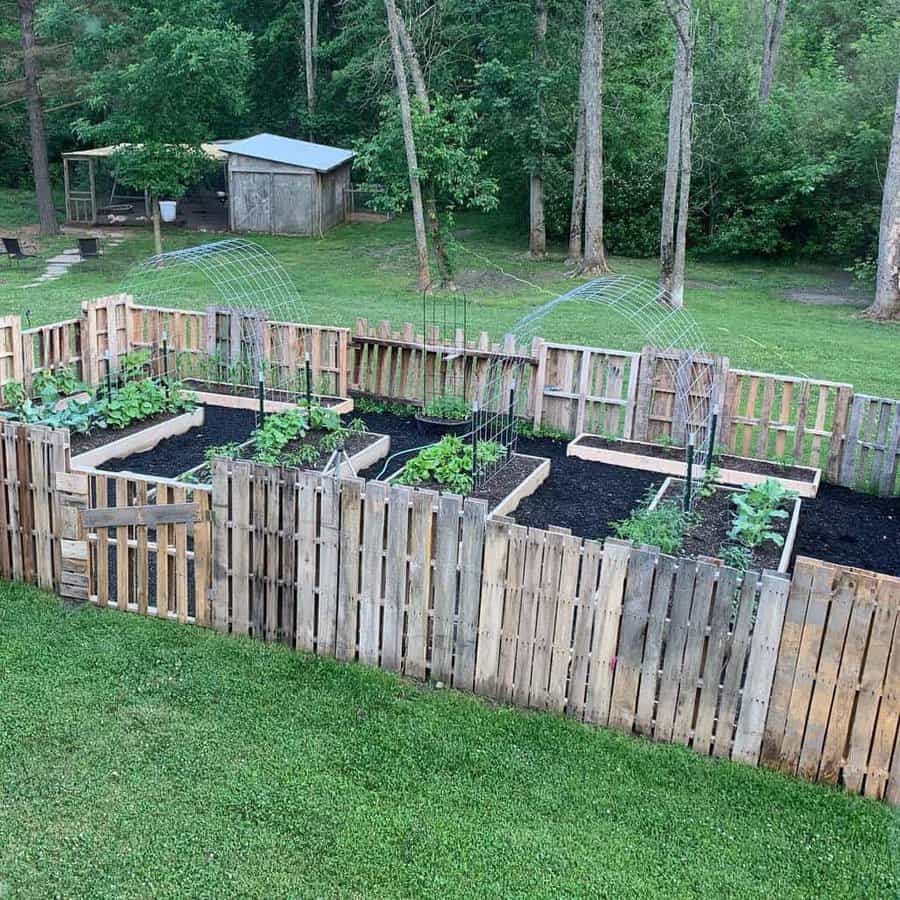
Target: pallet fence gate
871,452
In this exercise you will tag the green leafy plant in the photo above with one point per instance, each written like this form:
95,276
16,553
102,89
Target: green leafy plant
545,432
736,556
276,433
663,526
141,399
63,380
448,463
305,455
13,394
224,451
451,409
707,486
758,507
402,410
368,405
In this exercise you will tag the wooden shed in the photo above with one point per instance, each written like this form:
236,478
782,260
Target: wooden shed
279,185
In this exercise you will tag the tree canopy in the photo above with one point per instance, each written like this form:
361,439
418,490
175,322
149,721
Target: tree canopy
798,173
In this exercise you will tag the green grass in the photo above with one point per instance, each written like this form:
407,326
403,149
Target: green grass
368,270
140,758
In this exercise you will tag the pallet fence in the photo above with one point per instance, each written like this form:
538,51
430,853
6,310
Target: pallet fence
800,673
676,650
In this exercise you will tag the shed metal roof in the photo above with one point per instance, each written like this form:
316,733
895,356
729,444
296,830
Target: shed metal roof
279,149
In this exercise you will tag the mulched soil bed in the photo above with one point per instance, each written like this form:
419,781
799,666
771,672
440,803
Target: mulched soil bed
501,483
81,443
851,528
174,455
577,494
229,390
723,461
716,514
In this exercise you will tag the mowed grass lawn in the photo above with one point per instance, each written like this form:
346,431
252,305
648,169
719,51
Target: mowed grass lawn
368,270
140,758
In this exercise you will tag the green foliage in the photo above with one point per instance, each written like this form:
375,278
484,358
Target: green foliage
305,455
223,451
141,399
663,526
757,509
448,463
736,555
62,379
450,409
165,170
707,486
276,433
545,432
279,429
13,394
76,415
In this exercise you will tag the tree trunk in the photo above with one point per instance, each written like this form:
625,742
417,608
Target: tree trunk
412,162
157,228
432,221
537,232
39,165
887,281
670,190
576,218
684,188
594,252
310,42
773,26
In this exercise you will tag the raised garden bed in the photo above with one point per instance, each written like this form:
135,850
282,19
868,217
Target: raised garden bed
504,490
715,514
97,447
733,470
245,397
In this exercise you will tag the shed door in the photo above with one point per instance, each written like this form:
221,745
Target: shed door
252,203
292,204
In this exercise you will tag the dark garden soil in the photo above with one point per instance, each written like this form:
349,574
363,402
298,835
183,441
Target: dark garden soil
715,515
851,528
502,483
174,455
580,495
99,437
723,461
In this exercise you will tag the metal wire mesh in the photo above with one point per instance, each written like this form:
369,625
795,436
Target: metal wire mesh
248,289
444,345
681,352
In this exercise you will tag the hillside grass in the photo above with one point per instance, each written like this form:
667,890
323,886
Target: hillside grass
367,270
140,758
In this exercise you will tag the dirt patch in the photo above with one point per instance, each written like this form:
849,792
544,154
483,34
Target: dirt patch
826,297
100,437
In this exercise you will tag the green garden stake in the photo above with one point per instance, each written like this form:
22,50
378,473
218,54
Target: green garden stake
308,383
106,361
261,417
165,344
690,475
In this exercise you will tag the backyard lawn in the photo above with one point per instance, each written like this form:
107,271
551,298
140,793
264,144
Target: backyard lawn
140,758
745,309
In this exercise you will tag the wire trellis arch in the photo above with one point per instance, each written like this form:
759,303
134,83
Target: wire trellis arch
252,306
688,368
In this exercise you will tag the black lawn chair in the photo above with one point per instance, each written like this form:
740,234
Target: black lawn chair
14,251
89,248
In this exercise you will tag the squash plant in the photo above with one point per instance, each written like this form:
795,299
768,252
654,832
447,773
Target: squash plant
138,400
758,507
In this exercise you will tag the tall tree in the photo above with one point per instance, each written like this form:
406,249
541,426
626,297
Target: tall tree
887,280
773,25
594,260
537,232
432,221
676,193
409,143
576,216
39,164
310,45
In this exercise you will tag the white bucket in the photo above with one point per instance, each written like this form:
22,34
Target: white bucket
167,210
